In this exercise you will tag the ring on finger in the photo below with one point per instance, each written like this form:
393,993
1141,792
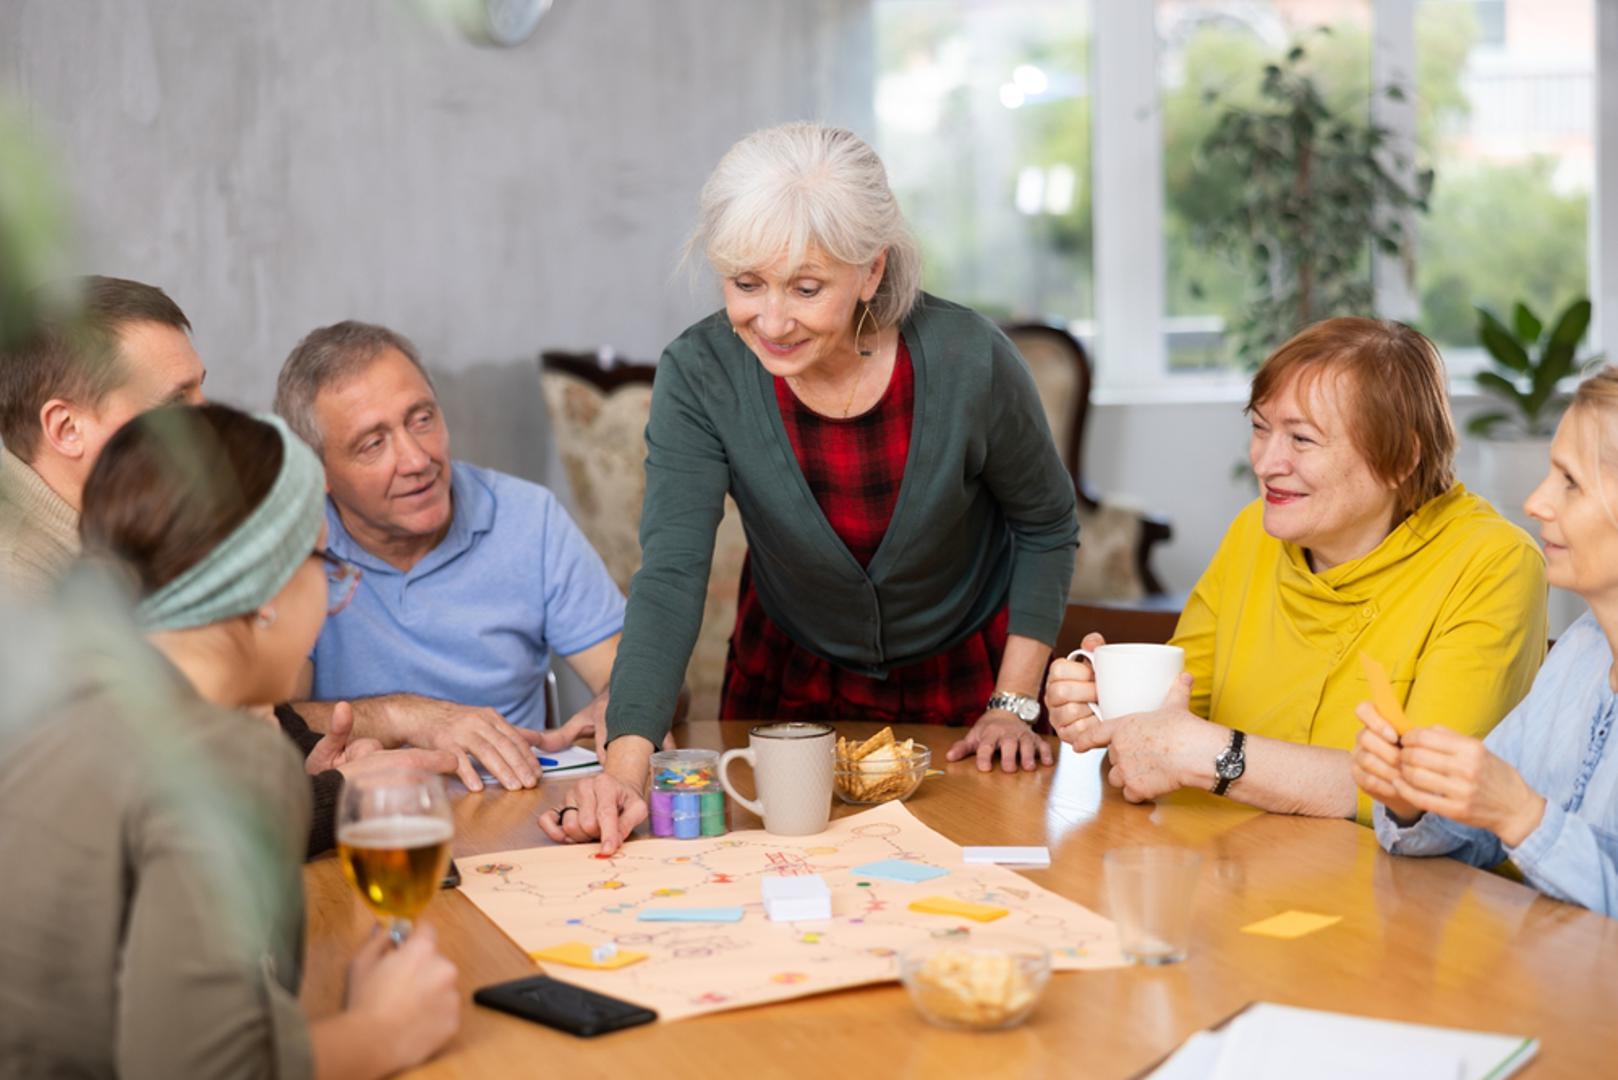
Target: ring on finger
562,811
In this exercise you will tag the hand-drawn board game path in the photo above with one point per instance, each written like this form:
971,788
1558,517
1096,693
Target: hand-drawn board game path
544,898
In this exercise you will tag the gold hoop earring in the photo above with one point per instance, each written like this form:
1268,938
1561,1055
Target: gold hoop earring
859,328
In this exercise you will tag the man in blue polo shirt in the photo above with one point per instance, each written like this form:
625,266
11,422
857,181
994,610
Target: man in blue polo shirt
470,579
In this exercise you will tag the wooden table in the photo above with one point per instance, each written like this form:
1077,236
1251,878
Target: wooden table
1425,940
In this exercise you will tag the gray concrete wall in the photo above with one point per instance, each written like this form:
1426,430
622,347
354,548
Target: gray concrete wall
280,165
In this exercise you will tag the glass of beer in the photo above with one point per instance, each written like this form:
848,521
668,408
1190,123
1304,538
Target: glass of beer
393,839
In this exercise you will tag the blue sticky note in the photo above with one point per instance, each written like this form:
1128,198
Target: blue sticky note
899,870
690,914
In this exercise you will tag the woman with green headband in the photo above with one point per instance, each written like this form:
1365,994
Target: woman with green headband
158,929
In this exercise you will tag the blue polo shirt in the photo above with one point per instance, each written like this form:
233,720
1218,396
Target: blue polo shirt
476,620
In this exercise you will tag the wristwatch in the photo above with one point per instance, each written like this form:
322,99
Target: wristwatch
1021,706
1231,763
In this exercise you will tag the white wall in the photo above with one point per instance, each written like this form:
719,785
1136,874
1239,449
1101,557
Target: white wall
278,166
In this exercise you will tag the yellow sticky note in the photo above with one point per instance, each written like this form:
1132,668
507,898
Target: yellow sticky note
1291,924
944,905
578,954
1382,694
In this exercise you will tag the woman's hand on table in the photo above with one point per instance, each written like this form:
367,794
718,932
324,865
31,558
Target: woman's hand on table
1000,732
608,805
1374,763
408,995
1444,772
1153,753
1070,691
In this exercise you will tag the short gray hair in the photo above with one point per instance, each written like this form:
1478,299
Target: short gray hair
787,187
329,355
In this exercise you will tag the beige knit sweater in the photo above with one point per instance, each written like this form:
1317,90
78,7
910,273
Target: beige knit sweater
39,531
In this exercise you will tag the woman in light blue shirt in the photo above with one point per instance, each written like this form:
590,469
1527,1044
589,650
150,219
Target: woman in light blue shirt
1542,788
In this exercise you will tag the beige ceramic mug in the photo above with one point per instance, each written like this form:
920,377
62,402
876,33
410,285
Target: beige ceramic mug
792,765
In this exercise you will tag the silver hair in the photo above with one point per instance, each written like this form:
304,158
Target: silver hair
330,355
789,187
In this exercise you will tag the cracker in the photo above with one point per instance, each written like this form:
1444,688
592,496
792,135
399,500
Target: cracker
873,744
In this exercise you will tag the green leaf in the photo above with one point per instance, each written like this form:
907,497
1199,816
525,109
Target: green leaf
1526,324
1500,385
1485,423
1505,349
1571,326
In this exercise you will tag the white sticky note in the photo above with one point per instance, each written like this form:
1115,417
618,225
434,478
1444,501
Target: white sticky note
1008,856
796,898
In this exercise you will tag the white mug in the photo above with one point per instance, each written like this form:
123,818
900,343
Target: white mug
792,765
1132,678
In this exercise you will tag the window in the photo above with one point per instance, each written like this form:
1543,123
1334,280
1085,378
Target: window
983,122
1221,49
986,113
1505,115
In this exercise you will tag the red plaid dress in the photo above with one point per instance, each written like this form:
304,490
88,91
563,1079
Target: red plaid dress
854,468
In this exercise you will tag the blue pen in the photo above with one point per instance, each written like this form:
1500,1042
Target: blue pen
552,762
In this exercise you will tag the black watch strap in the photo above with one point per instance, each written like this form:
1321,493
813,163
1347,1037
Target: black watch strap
1230,765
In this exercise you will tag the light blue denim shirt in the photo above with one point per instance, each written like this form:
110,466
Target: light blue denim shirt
1557,739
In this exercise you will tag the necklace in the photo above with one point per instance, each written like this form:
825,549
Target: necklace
859,380
848,403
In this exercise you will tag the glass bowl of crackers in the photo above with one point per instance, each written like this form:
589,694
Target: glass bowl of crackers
975,984
880,769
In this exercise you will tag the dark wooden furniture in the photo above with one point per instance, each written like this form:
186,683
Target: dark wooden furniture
1155,529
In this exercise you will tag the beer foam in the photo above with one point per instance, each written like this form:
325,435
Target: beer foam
398,831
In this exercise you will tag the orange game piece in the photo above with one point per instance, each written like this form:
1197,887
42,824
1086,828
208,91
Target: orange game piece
1382,694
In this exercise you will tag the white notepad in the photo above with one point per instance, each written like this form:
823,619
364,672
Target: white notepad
1281,1041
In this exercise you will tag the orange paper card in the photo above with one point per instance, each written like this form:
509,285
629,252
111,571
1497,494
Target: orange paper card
578,954
1291,924
944,905
1382,694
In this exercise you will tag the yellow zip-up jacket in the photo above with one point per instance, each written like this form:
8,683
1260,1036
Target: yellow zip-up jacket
1452,602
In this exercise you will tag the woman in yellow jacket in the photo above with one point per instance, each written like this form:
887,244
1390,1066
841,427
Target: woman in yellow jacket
1361,542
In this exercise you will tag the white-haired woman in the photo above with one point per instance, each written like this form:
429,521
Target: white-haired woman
1542,788
910,527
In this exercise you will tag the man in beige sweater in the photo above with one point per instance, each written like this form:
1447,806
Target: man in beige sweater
123,349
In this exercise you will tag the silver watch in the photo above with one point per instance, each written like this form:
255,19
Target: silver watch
1021,706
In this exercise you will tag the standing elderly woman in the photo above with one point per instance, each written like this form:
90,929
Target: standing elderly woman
1542,788
911,530
1362,543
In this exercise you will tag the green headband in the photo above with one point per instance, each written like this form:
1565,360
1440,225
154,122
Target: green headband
258,558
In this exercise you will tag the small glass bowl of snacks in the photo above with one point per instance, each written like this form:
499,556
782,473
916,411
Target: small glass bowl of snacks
880,769
976,983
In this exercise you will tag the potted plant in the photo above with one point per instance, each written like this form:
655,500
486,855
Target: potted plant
1528,361
1316,188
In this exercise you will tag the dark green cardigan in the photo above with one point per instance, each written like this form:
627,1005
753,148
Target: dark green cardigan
985,513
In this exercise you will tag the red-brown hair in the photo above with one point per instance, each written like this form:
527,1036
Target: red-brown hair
1397,406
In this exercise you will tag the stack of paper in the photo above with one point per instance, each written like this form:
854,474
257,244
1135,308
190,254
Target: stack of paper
1265,1041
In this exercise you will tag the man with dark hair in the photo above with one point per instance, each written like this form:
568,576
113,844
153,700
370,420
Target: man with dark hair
124,348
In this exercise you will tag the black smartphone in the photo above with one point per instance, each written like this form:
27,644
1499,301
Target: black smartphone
563,1006
452,877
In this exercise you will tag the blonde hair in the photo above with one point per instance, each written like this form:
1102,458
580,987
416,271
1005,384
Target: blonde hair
1398,408
1596,399
789,187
